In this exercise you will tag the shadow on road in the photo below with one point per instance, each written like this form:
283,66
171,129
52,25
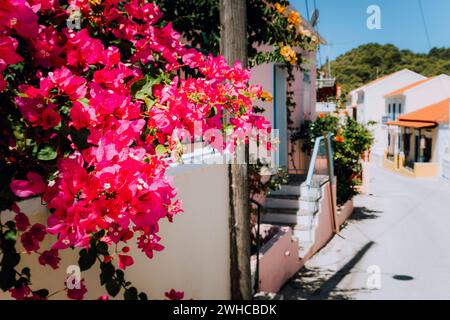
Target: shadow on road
363,213
321,283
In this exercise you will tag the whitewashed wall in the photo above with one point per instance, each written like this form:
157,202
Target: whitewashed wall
428,93
373,107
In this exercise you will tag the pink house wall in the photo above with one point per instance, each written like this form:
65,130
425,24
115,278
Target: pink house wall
263,75
305,106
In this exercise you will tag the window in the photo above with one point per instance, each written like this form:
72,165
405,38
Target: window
393,111
399,109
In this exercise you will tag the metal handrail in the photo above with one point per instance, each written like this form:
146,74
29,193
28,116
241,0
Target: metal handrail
314,158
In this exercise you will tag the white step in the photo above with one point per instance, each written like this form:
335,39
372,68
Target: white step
305,221
311,191
309,205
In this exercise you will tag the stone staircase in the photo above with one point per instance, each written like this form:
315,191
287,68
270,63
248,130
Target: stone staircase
296,205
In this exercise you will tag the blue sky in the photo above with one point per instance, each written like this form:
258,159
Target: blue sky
343,24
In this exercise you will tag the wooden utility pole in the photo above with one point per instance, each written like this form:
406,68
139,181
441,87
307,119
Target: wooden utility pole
233,46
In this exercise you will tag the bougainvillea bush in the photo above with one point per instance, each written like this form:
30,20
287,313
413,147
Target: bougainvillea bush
91,93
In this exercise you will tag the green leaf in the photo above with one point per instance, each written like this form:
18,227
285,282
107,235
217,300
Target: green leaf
79,137
160,150
142,89
11,225
212,112
120,275
10,259
7,278
113,287
107,272
47,153
43,293
84,101
102,248
131,294
10,235
87,259
142,296
26,272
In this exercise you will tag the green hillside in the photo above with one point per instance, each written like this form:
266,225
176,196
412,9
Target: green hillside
361,65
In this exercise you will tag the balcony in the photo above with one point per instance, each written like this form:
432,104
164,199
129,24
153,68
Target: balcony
325,107
386,118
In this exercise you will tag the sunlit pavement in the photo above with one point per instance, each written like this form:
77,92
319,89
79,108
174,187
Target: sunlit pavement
395,246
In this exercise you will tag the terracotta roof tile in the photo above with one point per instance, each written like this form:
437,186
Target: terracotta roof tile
412,124
438,113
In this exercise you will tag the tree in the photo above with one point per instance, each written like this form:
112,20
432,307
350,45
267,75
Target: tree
233,46
363,64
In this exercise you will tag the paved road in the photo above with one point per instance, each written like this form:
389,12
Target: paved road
401,230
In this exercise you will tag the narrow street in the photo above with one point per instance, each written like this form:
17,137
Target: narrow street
401,230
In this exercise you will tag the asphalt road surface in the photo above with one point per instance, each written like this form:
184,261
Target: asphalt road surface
396,245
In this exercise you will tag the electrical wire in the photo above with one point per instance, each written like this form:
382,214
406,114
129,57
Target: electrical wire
307,10
317,29
424,23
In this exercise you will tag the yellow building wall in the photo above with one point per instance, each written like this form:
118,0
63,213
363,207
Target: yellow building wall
421,170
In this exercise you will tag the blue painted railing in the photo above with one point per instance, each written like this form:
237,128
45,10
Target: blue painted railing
318,143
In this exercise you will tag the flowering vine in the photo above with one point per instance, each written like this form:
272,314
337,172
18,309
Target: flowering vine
92,93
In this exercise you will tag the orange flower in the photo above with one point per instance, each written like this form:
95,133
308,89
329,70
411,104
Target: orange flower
266,96
339,139
321,115
294,18
280,9
288,54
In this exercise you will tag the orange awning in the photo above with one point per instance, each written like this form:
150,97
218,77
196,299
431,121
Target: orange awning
412,124
437,112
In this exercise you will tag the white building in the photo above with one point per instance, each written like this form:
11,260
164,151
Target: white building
367,103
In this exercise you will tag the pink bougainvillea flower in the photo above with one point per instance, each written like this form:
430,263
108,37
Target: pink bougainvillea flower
48,47
20,293
22,221
82,50
30,243
77,294
103,297
51,258
49,118
125,261
25,188
32,238
82,116
8,46
149,243
3,83
19,16
174,295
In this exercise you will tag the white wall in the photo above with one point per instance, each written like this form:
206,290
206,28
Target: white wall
442,147
196,258
428,93
374,103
